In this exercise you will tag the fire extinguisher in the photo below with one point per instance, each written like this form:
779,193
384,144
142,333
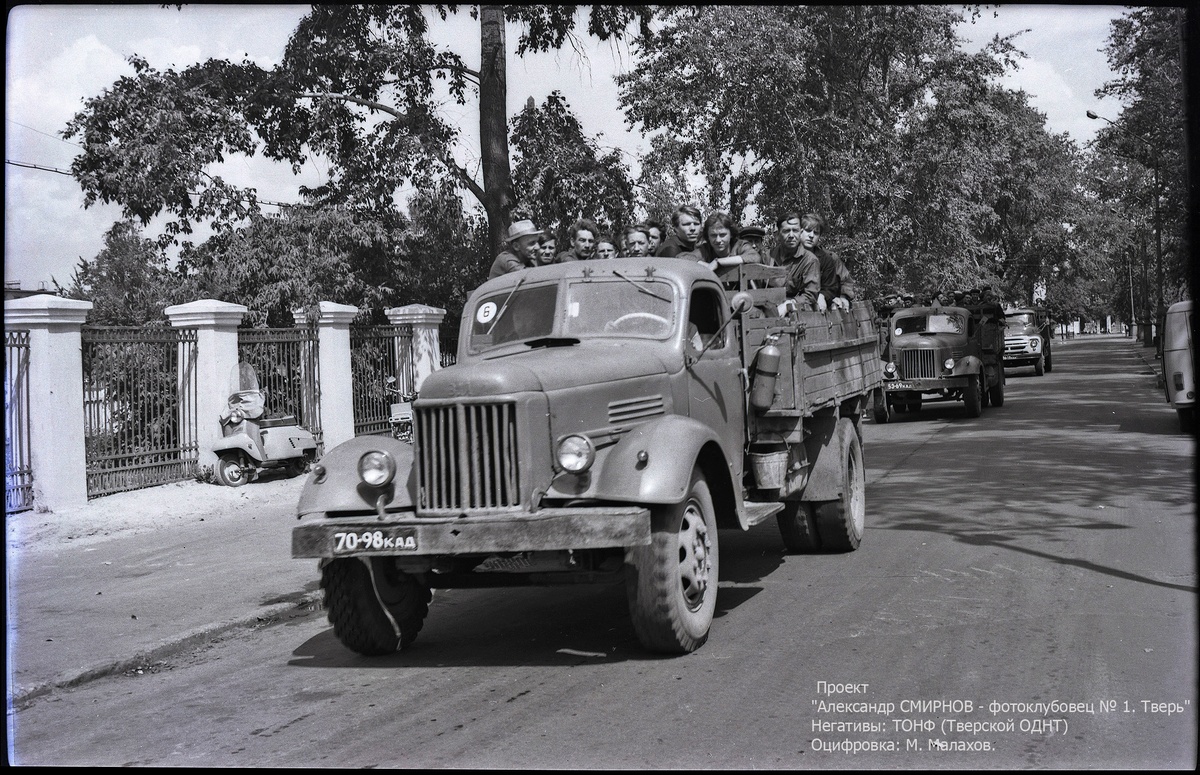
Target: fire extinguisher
766,372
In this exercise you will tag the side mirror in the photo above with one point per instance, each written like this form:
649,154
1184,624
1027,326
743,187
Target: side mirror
741,303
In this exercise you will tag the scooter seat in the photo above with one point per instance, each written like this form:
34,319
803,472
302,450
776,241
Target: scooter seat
277,422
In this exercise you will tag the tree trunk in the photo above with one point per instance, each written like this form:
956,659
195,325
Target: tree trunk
493,124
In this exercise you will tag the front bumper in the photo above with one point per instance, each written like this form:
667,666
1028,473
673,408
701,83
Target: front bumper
406,534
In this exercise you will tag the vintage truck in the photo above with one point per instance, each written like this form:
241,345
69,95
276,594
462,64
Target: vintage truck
604,420
1027,336
942,354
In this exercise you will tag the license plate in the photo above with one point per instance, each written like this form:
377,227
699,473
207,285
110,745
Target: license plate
396,539
901,386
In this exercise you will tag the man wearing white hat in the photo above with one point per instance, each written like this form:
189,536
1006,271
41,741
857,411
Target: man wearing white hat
522,250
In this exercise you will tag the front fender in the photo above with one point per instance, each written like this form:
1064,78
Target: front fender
650,464
968,364
334,484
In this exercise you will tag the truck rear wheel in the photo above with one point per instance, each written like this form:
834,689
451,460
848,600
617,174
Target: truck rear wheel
374,607
798,526
671,583
841,523
1048,356
973,395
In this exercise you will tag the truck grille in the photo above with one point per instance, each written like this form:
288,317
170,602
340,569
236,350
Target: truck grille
919,364
467,457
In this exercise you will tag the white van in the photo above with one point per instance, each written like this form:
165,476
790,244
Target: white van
1178,356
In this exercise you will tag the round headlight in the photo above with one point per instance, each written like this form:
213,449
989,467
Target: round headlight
1035,344
376,468
576,454
889,367
949,364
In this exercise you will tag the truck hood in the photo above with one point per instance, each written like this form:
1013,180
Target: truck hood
547,369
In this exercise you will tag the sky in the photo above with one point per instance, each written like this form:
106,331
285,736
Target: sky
58,56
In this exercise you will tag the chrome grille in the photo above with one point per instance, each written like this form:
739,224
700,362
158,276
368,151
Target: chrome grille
635,409
467,457
919,364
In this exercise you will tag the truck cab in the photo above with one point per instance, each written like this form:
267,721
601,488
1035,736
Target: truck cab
942,353
604,420
1178,357
1027,339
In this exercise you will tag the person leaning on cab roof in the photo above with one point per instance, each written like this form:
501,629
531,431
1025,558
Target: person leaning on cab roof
688,223
581,241
606,248
521,249
803,280
721,246
837,287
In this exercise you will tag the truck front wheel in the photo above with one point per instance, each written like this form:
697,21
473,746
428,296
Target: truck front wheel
973,395
374,607
671,583
841,523
880,408
1039,368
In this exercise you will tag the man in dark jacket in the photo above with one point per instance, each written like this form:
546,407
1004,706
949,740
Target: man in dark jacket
803,281
521,249
688,223
837,287
581,244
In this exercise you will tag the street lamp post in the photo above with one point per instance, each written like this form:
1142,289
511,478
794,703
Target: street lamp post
1160,311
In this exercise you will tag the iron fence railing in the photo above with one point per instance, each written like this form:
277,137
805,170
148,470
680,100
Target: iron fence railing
139,395
18,470
286,362
375,355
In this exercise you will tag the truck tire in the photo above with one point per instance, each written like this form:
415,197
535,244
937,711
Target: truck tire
1049,358
232,470
798,526
671,583
996,392
973,395
375,608
880,409
841,523
1187,419
1039,368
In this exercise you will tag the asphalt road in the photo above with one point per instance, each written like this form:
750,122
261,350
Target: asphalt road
1025,597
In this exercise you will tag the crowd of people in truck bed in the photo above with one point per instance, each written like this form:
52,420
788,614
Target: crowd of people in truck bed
816,279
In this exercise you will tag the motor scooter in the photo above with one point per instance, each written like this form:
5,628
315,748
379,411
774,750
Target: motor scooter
401,417
252,442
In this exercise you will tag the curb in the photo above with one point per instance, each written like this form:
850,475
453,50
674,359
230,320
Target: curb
22,697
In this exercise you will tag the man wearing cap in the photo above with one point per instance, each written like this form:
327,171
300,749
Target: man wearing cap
522,249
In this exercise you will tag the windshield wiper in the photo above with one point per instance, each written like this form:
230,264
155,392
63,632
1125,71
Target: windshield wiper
504,306
640,288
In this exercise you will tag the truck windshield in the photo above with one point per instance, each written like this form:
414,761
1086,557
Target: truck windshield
637,308
1023,320
622,308
933,323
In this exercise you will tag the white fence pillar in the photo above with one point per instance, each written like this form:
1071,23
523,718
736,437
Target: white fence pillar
216,324
57,453
335,388
425,356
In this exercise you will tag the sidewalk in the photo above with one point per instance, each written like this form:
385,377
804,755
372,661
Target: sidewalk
132,578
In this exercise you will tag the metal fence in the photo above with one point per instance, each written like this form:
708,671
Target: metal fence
375,356
139,397
18,471
286,361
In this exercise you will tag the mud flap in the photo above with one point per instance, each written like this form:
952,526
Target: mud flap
825,455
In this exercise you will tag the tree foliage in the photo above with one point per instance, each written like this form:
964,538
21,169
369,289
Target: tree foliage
128,282
561,175
357,86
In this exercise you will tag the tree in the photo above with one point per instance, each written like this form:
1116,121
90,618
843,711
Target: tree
560,175
128,281
357,85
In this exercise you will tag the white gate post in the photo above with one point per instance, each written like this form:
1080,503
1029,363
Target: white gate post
57,453
425,355
216,324
335,386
